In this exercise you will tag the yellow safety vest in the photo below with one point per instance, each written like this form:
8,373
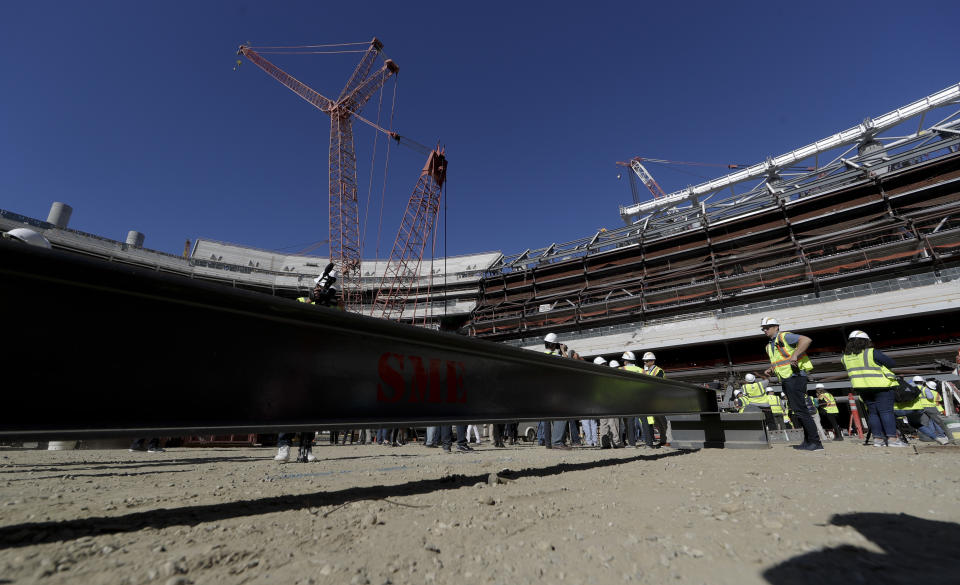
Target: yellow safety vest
633,369
779,353
776,405
654,371
916,404
864,373
928,398
304,300
754,390
830,403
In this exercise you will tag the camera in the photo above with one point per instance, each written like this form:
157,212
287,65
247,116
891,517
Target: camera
324,293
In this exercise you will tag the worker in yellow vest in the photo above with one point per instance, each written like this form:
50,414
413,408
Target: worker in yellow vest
788,360
753,390
776,408
630,365
914,411
932,405
552,346
871,376
829,410
647,425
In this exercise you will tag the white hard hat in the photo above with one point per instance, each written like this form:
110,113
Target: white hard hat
28,237
819,386
750,378
649,356
550,338
918,378
737,392
857,334
599,360
932,384
614,364
628,355
769,321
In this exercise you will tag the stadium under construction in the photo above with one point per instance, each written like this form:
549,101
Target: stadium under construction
866,235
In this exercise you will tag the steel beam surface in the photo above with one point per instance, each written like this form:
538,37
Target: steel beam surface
96,349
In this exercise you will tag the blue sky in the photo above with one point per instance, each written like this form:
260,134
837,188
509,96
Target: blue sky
131,112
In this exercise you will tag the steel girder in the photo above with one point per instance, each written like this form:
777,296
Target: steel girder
96,349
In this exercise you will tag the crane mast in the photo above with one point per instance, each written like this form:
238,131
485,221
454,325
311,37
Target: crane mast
343,209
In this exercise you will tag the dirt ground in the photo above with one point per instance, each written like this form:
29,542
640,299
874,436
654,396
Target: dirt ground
373,514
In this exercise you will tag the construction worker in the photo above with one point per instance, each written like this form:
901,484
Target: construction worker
915,413
829,410
659,423
872,378
776,408
930,399
552,346
788,360
630,365
609,431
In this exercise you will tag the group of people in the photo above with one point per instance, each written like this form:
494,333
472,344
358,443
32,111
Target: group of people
869,370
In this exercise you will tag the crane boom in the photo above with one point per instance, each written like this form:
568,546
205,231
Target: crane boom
647,179
298,87
402,273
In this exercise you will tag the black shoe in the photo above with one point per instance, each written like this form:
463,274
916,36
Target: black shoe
464,448
432,446
500,445
563,447
802,446
605,442
838,438
814,447
446,448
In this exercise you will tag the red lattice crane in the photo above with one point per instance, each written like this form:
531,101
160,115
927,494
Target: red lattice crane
344,212
401,277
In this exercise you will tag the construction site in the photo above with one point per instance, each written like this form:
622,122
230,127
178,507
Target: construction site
859,230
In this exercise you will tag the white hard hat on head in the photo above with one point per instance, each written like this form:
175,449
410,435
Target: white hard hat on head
857,334
819,386
932,384
737,392
599,360
550,338
750,378
628,355
918,378
769,321
614,364
649,356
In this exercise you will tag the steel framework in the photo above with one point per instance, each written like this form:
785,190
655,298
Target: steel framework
401,277
344,232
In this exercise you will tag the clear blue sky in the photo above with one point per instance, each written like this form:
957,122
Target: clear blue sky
131,112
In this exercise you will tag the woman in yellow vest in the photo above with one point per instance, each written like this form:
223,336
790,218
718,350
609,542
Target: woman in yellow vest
829,410
871,377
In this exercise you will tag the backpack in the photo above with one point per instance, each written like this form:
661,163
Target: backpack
905,392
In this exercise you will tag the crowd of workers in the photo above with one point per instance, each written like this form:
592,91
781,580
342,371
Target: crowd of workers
916,402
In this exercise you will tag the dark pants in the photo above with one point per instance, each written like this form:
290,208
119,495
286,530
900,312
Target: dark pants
832,419
646,432
880,415
446,435
632,431
498,435
574,429
796,389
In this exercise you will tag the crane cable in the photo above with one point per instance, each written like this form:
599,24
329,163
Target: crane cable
386,167
373,164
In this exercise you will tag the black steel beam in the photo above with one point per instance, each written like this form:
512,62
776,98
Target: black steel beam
99,349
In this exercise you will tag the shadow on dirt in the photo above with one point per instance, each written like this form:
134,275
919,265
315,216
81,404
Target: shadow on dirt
31,533
914,550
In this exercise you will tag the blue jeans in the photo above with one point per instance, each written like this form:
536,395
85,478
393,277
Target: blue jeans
589,431
646,432
431,435
922,423
880,413
557,429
